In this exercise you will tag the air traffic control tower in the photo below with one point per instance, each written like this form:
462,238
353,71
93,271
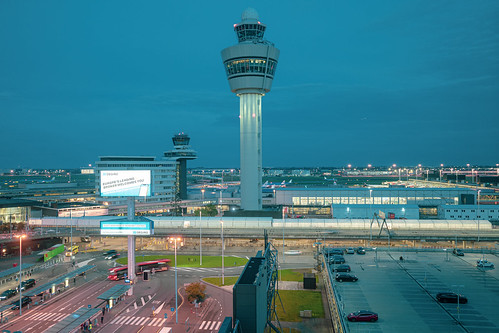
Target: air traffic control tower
250,67
181,152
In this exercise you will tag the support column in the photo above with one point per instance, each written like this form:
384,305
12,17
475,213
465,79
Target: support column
251,150
131,240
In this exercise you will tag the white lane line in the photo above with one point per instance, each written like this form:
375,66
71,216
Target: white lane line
213,325
202,324
143,302
149,297
160,323
135,305
62,316
218,325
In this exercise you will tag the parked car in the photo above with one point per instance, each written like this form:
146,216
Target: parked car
27,284
108,253
25,301
484,263
336,259
341,268
350,250
330,251
112,256
361,250
458,252
363,315
8,294
451,298
85,239
346,277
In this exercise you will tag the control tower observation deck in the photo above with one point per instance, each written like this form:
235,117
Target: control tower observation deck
250,67
181,152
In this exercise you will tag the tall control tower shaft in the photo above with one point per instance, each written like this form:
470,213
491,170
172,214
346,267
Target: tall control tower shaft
250,67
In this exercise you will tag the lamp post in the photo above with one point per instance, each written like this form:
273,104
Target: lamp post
223,276
375,254
477,210
175,239
20,270
200,242
371,214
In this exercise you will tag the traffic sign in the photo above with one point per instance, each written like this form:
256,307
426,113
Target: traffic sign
166,315
89,306
173,309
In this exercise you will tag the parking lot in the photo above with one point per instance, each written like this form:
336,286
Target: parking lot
403,292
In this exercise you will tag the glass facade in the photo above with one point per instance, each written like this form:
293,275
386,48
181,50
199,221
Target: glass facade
249,31
250,65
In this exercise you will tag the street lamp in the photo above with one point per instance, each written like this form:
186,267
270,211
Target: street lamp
175,239
200,241
223,276
375,254
477,210
20,269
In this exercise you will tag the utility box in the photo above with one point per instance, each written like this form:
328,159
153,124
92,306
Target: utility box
146,275
309,281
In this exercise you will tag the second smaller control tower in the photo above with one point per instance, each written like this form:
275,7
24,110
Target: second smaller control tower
181,152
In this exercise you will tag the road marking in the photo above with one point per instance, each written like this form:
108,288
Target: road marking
129,321
213,325
122,319
114,320
143,321
135,306
149,297
136,321
202,324
218,325
161,322
154,322
143,301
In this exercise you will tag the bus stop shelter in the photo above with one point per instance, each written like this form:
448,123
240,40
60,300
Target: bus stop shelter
60,280
8,274
2,309
113,294
73,322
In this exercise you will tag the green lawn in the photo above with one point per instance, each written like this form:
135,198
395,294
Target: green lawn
190,260
229,280
298,300
293,275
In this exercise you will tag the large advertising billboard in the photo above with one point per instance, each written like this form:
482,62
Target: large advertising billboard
125,183
124,228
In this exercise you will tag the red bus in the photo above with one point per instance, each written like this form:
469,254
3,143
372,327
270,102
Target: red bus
118,273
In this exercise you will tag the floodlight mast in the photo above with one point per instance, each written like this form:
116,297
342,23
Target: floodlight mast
250,67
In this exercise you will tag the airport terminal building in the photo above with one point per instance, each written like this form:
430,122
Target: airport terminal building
410,203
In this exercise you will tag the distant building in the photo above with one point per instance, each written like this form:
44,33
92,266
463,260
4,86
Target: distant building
301,173
163,176
181,153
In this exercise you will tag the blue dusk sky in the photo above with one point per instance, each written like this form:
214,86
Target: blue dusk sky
358,82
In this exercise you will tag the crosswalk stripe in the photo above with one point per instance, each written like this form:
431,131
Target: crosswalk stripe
154,322
213,325
136,321
218,325
143,321
207,325
62,316
49,317
143,301
149,297
202,324
135,305
127,322
115,320
122,320
160,323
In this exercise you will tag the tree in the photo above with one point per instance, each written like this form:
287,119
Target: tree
208,210
195,291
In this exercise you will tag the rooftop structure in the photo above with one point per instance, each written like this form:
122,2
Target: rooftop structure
250,68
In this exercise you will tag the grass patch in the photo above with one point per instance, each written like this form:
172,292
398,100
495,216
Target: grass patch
295,301
190,260
293,274
229,280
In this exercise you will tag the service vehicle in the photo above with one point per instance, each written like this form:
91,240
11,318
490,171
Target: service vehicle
451,298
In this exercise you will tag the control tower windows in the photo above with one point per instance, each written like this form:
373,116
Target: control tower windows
249,32
256,66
